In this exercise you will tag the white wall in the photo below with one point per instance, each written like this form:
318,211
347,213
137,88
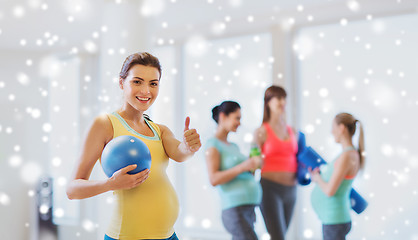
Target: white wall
238,69
23,153
367,68
116,29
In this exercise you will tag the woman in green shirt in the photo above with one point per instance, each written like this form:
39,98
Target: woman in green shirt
230,171
330,197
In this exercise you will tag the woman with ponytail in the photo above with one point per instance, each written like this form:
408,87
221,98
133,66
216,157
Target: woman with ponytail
330,197
230,171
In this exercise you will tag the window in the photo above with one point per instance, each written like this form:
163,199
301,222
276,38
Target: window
367,68
238,69
64,85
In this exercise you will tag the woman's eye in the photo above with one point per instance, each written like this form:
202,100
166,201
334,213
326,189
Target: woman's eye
136,82
154,84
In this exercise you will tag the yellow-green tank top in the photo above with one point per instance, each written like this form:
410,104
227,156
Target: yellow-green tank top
149,210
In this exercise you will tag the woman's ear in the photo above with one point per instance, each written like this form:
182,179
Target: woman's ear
222,116
121,81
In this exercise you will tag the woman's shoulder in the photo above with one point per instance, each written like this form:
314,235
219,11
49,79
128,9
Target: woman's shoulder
260,134
102,120
352,154
101,126
160,128
348,157
261,129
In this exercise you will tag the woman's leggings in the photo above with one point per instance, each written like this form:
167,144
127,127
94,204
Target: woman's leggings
239,222
336,231
277,207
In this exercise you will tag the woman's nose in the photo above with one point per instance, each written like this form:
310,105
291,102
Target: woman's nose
144,89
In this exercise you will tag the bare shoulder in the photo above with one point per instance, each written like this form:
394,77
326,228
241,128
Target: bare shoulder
211,153
349,157
164,130
103,121
162,127
212,149
260,135
260,131
102,127
353,155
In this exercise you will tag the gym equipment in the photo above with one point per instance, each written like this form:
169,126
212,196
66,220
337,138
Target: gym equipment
123,151
308,158
358,203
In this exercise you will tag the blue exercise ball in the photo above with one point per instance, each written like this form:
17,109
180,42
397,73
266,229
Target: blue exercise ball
123,151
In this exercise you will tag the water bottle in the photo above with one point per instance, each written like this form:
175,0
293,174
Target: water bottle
254,152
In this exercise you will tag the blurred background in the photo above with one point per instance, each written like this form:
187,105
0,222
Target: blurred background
59,65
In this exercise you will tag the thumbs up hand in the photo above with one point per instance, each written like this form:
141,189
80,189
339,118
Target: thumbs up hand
186,124
191,138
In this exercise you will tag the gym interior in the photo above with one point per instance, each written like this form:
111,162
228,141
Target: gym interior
59,68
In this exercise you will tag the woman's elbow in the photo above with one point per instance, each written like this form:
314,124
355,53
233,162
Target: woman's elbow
213,182
181,158
330,193
70,192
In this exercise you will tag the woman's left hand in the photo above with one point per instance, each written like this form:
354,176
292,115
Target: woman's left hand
315,174
191,138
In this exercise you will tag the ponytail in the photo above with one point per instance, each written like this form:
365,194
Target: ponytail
215,113
225,107
350,122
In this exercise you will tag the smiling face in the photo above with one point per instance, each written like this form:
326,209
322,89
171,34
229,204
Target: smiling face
140,87
277,105
231,121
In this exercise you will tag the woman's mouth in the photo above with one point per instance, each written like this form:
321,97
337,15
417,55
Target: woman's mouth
143,99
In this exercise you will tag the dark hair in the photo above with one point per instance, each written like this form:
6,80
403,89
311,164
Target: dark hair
350,122
271,92
225,107
141,58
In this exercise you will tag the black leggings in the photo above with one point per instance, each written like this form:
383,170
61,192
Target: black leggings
277,207
336,231
239,222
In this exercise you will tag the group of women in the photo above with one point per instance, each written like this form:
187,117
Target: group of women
231,170
147,205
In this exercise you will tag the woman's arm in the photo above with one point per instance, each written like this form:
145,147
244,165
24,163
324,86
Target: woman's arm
180,151
216,177
80,187
341,168
260,136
